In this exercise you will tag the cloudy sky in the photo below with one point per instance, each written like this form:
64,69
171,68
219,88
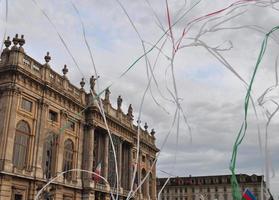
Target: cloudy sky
210,94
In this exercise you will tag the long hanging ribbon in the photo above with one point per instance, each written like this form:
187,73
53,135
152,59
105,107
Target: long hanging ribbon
241,134
6,24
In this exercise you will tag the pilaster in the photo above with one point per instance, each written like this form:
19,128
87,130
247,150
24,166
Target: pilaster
139,173
130,166
120,163
88,151
5,188
40,137
60,153
106,156
9,131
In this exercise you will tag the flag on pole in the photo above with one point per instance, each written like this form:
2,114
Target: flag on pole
247,195
98,172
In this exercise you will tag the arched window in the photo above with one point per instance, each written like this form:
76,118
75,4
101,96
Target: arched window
68,158
49,158
21,144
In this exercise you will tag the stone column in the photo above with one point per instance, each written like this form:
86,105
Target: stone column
139,173
60,148
120,163
106,148
147,186
9,132
4,120
32,190
40,137
88,148
131,164
154,188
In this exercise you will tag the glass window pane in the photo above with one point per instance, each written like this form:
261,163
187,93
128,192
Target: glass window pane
21,144
26,105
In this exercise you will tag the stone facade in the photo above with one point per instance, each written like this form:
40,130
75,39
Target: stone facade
207,187
48,125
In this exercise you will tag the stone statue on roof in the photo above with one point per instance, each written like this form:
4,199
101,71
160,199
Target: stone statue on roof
119,102
92,83
107,93
130,112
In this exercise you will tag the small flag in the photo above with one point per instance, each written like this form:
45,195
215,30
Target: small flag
98,171
247,195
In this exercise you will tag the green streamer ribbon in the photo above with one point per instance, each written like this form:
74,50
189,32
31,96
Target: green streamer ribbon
241,134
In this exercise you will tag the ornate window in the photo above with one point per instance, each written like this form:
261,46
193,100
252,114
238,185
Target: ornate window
143,158
53,116
21,144
68,158
26,105
18,197
71,125
18,194
49,158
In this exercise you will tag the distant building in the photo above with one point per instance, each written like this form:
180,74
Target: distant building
48,125
206,187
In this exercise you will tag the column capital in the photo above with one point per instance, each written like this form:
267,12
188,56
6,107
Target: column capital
121,139
43,102
11,90
64,113
91,125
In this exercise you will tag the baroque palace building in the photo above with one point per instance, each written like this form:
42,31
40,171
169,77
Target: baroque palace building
207,187
48,126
